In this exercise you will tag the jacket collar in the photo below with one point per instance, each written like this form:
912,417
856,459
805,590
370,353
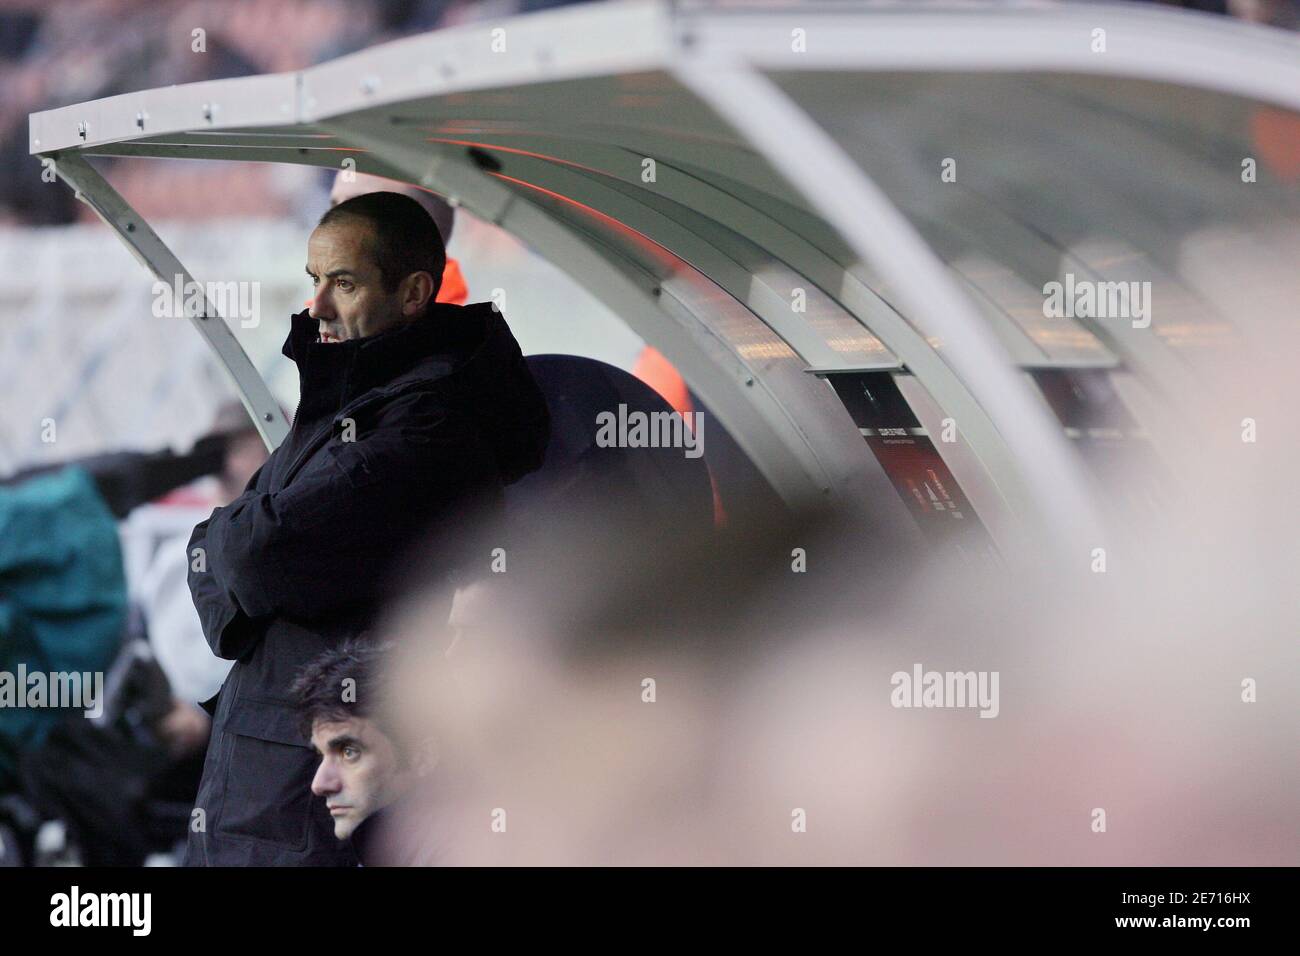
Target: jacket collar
355,366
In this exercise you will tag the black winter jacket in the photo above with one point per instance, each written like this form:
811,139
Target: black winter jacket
395,437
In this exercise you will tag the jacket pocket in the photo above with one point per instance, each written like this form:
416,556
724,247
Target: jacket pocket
268,776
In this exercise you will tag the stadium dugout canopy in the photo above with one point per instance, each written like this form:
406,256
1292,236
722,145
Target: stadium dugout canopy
783,198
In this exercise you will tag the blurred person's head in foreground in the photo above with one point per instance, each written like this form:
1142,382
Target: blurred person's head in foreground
376,262
583,707
364,768
636,695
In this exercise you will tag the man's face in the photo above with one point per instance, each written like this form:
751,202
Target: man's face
350,300
360,771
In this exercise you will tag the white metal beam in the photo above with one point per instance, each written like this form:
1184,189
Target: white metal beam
1166,46
1029,456
145,245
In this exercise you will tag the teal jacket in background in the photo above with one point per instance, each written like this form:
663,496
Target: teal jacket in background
62,593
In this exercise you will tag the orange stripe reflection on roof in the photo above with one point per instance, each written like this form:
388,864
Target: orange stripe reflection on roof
665,256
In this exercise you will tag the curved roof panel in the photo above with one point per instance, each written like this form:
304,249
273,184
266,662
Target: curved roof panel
763,192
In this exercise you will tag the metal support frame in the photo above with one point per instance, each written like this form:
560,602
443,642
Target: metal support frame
783,227
971,380
1025,450
153,253
753,214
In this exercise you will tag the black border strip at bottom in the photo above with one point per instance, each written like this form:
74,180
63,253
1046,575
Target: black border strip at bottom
308,905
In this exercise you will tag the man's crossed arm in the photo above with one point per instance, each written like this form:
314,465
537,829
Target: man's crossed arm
323,544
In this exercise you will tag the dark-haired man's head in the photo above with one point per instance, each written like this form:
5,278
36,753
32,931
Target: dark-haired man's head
363,768
349,183
376,262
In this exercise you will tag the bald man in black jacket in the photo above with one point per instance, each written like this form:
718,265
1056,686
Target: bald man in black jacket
413,413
